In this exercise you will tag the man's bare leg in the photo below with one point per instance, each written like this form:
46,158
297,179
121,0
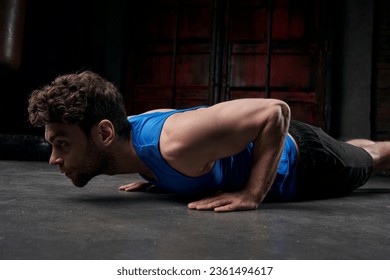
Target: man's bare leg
379,151
361,142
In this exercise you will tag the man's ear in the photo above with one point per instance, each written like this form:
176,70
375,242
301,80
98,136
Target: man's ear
106,132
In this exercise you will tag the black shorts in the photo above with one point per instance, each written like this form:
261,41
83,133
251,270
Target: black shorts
326,166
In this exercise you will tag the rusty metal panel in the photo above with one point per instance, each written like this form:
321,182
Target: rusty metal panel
196,22
153,70
290,59
145,98
196,52
192,69
172,54
249,24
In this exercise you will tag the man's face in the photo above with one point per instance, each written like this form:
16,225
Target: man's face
75,154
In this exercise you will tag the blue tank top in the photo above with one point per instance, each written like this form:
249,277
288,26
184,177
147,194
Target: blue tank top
227,174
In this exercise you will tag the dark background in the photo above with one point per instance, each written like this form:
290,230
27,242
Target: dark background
338,51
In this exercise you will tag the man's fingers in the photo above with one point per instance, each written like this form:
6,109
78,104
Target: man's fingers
128,187
223,203
208,204
132,186
225,208
195,204
236,207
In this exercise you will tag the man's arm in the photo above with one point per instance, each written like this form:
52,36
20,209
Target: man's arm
192,141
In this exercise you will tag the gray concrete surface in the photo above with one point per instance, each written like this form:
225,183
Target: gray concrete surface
43,216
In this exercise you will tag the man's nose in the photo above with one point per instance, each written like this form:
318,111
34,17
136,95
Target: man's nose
55,159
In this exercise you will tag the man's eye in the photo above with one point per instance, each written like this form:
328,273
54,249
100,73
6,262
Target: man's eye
61,144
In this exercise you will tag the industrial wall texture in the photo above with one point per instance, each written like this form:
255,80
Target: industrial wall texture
381,82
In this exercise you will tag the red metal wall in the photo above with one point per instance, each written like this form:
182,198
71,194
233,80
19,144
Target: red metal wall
199,52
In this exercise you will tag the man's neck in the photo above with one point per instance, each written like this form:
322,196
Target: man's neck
127,160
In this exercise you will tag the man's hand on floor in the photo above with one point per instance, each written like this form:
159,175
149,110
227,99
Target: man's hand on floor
225,202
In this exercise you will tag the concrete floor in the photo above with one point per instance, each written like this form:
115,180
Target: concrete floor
44,217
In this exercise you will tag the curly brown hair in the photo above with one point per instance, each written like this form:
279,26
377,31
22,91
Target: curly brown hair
83,98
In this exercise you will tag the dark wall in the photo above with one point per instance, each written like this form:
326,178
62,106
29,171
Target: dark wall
70,35
60,37
381,81
352,71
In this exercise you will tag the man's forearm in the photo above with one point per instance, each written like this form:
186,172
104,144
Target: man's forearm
267,150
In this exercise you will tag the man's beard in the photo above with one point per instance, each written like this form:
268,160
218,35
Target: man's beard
95,162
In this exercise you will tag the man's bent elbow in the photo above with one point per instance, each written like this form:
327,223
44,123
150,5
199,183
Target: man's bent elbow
285,110
280,115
